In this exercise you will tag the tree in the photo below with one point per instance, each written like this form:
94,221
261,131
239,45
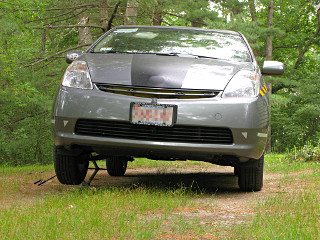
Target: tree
312,38
43,31
269,39
131,12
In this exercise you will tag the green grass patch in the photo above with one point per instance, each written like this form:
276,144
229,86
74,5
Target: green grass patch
13,178
144,162
136,212
148,163
293,213
10,170
279,163
112,213
286,216
155,210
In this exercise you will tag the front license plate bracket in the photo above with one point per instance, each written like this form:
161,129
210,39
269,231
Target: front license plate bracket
153,114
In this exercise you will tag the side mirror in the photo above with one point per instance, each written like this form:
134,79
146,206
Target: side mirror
272,68
72,55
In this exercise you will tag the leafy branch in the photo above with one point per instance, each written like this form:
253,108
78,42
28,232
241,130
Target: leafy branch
306,47
70,26
109,25
54,55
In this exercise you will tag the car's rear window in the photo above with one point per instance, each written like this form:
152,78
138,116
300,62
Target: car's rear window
175,41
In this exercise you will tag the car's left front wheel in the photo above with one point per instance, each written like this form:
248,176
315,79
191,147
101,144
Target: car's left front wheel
251,178
70,170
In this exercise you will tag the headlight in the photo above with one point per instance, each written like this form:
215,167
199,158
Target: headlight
77,76
244,84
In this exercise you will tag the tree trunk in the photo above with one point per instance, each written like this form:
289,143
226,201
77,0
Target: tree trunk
113,15
254,17
269,57
157,19
198,22
103,13
270,24
84,32
253,11
157,15
131,12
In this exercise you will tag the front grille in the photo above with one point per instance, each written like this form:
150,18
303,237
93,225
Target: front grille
177,133
153,92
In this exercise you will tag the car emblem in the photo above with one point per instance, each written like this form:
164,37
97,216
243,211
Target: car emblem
73,56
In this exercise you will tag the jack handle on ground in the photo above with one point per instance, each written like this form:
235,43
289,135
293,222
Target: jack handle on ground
41,181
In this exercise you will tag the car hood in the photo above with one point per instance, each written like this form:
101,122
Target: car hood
162,71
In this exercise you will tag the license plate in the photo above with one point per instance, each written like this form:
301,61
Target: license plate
153,114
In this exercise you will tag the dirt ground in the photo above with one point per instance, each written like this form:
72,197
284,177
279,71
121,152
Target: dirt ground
210,179
222,204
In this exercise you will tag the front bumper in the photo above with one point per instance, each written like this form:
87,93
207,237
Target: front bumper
247,118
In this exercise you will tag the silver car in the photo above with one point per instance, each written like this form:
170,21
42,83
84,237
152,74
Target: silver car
167,93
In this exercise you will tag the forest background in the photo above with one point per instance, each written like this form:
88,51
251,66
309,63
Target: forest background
36,34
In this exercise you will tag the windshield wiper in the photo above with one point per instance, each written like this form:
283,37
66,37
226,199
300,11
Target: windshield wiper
186,55
129,52
166,54
196,56
200,56
113,51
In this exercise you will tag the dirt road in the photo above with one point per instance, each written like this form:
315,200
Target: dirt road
222,203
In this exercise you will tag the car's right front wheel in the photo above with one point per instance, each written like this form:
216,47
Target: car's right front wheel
251,178
116,166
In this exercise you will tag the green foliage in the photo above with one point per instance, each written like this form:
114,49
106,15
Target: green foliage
24,125
25,98
296,112
308,153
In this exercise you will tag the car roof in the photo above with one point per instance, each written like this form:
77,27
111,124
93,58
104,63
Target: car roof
180,28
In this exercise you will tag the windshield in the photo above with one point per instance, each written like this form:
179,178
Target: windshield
174,41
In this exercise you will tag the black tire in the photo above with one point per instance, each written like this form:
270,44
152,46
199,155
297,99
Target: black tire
70,170
236,171
116,166
251,178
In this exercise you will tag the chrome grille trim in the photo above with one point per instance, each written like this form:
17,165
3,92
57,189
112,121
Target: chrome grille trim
151,92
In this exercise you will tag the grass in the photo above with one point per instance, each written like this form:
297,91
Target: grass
9,170
279,163
294,212
135,212
155,211
13,178
111,213
288,216
143,162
